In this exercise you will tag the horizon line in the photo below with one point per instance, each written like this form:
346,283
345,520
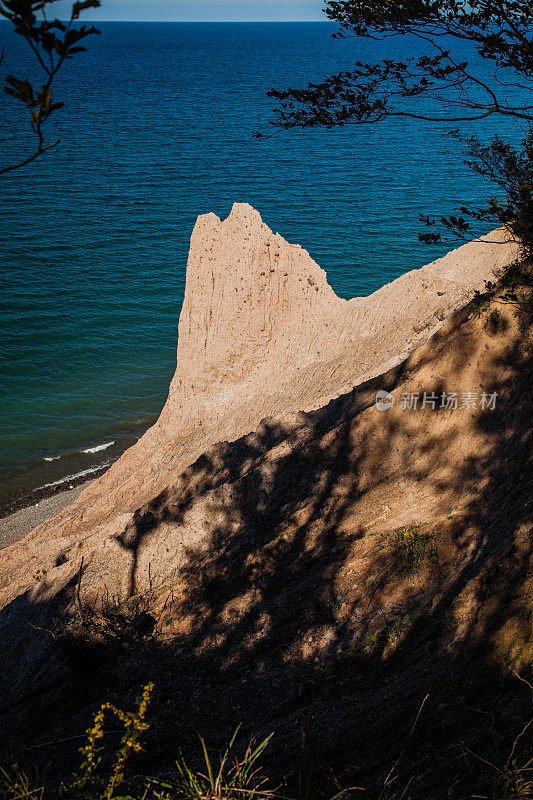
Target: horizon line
201,21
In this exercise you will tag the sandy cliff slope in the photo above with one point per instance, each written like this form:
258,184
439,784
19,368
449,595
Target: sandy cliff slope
317,577
261,334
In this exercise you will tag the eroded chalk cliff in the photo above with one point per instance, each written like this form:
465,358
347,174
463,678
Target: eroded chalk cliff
261,334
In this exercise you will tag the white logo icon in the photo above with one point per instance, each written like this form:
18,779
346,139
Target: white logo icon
384,400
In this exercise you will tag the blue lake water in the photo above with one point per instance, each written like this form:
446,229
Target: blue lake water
94,236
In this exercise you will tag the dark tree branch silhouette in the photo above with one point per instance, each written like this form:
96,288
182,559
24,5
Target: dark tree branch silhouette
52,43
500,31
496,81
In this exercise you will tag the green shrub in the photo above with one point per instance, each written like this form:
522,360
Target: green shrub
411,547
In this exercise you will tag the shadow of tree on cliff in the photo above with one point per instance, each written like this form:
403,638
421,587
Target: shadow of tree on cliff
295,616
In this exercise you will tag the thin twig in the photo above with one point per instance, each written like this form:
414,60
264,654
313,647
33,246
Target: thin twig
37,153
520,678
387,781
68,739
78,586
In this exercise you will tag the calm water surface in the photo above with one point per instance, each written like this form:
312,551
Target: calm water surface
94,237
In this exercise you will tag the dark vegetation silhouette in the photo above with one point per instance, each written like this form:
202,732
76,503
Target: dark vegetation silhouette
499,32
52,42
439,84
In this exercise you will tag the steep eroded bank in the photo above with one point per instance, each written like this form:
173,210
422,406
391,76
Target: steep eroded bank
261,334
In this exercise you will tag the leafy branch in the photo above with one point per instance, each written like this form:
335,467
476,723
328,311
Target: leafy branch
508,169
499,30
52,43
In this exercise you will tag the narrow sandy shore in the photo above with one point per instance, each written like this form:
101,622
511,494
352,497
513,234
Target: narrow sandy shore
17,525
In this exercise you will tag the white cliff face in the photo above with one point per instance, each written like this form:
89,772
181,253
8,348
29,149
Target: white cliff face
261,333
254,306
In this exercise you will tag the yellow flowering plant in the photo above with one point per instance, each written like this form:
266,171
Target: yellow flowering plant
89,778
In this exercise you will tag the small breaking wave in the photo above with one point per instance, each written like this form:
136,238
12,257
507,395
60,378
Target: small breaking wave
88,450
98,447
73,477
